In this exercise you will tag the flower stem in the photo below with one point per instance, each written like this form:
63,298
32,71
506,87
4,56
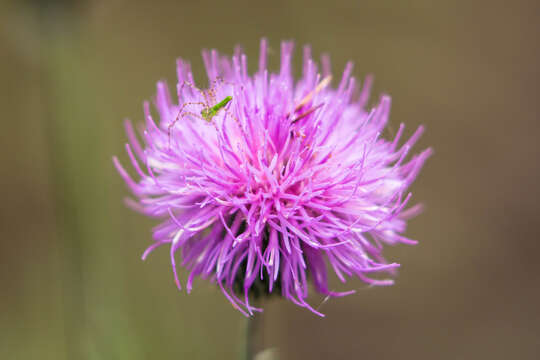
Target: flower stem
254,336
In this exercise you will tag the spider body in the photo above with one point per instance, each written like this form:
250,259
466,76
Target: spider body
209,112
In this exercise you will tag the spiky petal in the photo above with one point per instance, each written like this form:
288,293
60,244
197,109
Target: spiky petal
287,179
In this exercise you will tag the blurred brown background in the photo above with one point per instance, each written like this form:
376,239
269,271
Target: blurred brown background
73,285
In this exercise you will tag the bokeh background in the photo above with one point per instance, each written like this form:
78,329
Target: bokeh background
72,283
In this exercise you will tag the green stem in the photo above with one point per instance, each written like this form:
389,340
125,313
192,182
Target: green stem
254,336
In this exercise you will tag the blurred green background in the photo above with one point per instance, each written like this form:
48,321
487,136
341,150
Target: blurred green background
73,284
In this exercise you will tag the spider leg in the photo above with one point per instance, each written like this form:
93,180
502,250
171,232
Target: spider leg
212,92
220,80
181,112
212,95
228,113
198,116
204,95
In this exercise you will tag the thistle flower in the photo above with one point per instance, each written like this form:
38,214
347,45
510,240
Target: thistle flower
262,182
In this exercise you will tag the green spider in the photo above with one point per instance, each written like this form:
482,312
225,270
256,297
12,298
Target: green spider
208,110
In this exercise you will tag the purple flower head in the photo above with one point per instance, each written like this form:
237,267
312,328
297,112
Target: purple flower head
262,182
